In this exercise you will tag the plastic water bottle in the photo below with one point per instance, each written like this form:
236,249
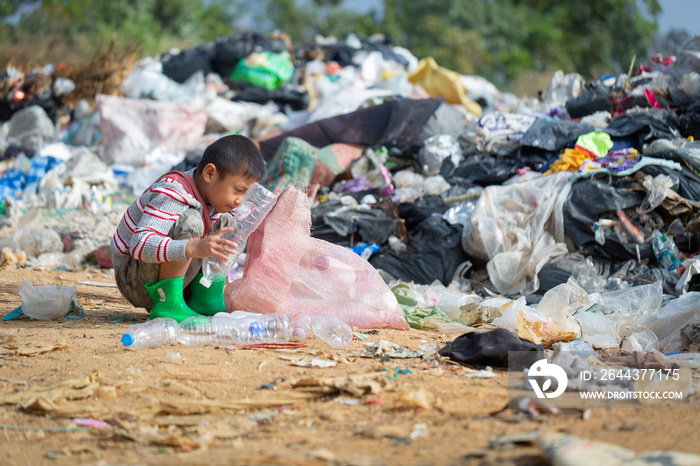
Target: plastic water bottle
152,333
257,203
232,329
301,327
331,330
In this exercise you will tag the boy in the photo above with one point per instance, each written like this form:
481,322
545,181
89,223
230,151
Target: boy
162,237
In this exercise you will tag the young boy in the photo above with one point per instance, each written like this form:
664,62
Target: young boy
159,244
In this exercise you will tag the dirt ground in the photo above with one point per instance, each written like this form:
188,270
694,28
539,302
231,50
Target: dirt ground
203,405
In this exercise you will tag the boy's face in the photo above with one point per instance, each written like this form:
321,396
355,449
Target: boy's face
225,193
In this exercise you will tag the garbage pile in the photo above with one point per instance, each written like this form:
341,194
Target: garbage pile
573,215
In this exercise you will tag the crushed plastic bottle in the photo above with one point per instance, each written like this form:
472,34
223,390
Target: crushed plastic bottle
301,327
665,250
237,328
257,203
331,330
151,334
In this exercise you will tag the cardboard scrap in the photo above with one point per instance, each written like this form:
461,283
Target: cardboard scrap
74,389
31,349
354,384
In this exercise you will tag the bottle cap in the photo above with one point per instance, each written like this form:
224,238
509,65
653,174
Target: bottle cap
128,339
205,282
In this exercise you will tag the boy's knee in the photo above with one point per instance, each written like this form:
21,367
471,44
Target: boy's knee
189,225
225,221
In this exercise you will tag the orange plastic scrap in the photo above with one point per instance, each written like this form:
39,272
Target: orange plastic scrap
542,333
441,82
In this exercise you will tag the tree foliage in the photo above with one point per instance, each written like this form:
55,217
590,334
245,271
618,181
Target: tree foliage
498,39
82,26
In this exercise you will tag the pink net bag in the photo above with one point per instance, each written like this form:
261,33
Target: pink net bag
288,271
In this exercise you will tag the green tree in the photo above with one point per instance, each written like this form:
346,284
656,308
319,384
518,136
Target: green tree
80,27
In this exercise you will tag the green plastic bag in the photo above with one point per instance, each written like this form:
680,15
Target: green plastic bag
264,69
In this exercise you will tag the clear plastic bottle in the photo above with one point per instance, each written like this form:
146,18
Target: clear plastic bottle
257,203
152,333
331,330
235,329
301,327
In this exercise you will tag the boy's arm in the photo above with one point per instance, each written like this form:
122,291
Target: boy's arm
150,241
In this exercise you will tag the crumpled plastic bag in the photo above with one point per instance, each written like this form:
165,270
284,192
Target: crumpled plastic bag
511,227
287,271
656,188
435,150
49,302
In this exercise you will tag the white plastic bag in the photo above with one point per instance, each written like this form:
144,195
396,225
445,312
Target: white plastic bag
49,302
512,228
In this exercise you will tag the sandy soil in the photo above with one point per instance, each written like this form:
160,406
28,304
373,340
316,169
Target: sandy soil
205,406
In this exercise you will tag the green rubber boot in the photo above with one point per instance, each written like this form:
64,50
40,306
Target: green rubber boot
168,300
207,301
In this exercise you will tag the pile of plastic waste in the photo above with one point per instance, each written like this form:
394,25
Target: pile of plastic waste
571,216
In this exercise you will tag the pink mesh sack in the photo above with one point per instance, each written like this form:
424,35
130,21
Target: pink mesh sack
288,271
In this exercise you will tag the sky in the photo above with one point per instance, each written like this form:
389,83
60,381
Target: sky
681,14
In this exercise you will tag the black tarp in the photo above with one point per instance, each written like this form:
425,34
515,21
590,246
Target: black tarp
394,123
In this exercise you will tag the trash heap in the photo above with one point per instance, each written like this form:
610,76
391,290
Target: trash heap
570,216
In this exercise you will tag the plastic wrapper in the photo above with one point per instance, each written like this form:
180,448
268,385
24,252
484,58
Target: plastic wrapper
656,188
518,228
561,302
587,277
31,128
287,271
631,307
149,83
49,302
644,341
435,150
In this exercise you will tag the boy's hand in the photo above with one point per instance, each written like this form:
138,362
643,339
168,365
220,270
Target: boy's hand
213,245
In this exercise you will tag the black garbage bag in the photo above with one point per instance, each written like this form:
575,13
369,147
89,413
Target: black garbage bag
646,126
491,349
689,120
553,135
286,97
588,200
183,65
595,98
394,123
413,214
434,252
371,226
486,171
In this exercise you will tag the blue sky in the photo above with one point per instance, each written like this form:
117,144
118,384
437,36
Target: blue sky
682,14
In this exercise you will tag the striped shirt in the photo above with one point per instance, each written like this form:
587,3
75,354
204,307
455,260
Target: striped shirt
143,231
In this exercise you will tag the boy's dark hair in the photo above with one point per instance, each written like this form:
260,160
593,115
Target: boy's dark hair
236,155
